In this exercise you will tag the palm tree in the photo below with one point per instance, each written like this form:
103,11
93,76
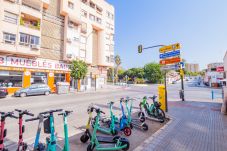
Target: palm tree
117,60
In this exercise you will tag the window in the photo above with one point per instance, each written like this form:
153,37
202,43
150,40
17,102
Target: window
107,59
9,37
84,13
92,5
58,77
34,40
38,78
83,27
92,17
99,9
70,5
76,39
10,79
84,1
99,20
10,17
24,38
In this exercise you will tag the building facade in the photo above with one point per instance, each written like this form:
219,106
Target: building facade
192,67
214,74
39,39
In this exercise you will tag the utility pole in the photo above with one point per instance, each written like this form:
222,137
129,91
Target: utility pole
166,92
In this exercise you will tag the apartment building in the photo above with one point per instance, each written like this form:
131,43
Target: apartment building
39,39
192,67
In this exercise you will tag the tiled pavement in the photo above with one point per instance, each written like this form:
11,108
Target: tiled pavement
195,126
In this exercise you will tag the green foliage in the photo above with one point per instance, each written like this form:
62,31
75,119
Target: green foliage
78,69
134,73
110,74
153,72
139,81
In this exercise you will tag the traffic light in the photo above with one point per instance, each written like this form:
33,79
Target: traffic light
140,48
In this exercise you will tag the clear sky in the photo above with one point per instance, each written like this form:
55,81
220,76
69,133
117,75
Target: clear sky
199,25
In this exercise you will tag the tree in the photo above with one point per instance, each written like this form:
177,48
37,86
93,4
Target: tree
110,74
153,72
79,71
117,60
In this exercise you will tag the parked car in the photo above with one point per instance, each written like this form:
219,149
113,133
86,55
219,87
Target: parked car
3,92
34,89
174,82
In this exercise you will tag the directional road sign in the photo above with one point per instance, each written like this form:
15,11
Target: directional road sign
170,61
170,67
170,48
169,54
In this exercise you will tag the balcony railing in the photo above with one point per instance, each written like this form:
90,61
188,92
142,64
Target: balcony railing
30,24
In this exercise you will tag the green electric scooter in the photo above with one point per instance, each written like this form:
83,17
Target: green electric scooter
118,143
65,114
87,134
110,129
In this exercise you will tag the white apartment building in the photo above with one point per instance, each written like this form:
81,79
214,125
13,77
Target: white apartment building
39,39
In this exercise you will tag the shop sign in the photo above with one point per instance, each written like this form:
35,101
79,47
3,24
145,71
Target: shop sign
220,69
33,63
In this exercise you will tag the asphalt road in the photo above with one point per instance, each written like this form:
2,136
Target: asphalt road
79,103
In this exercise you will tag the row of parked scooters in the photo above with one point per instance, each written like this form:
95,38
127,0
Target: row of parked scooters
108,125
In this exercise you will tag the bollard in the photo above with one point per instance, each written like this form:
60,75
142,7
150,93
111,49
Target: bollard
212,94
161,92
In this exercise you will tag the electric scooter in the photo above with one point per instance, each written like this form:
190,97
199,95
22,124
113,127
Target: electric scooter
49,129
87,134
3,131
38,146
22,146
134,122
117,143
65,114
47,119
153,111
119,125
111,129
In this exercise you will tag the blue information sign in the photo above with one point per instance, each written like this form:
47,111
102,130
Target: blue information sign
169,54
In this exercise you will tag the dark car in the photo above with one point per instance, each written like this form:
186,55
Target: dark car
35,89
3,92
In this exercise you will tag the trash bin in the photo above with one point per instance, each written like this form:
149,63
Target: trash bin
62,87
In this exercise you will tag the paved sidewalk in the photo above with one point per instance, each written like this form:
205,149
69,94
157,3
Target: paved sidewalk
195,126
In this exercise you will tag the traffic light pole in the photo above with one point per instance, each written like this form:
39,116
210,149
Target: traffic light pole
140,49
182,85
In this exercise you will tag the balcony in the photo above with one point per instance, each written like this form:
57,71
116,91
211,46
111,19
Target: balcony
33,4
30,21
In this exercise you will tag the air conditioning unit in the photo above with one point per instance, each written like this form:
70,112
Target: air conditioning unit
36,47
9,41
69,40
69,55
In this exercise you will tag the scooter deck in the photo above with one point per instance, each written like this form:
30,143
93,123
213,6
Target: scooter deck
105,139
107,145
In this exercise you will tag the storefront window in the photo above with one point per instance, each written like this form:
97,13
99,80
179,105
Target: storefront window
39,78
58,77
10,79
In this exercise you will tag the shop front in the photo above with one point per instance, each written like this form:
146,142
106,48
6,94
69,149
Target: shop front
16,72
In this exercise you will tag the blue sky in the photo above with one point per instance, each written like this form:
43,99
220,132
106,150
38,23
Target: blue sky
199,25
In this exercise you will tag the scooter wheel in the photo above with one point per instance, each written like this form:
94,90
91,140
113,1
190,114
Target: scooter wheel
145,127
25,146
41,147
90,147
84,138
141,114
127,131
131,126
127,145
142,119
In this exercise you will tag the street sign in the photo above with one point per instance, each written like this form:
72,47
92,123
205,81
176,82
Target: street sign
182,65
170,67
170,48
170,61
169,54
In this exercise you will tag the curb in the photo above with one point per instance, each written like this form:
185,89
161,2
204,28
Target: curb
157,133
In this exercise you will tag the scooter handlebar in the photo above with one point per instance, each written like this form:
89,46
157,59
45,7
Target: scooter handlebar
65,112
51,111
36,118
8,114
24,112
